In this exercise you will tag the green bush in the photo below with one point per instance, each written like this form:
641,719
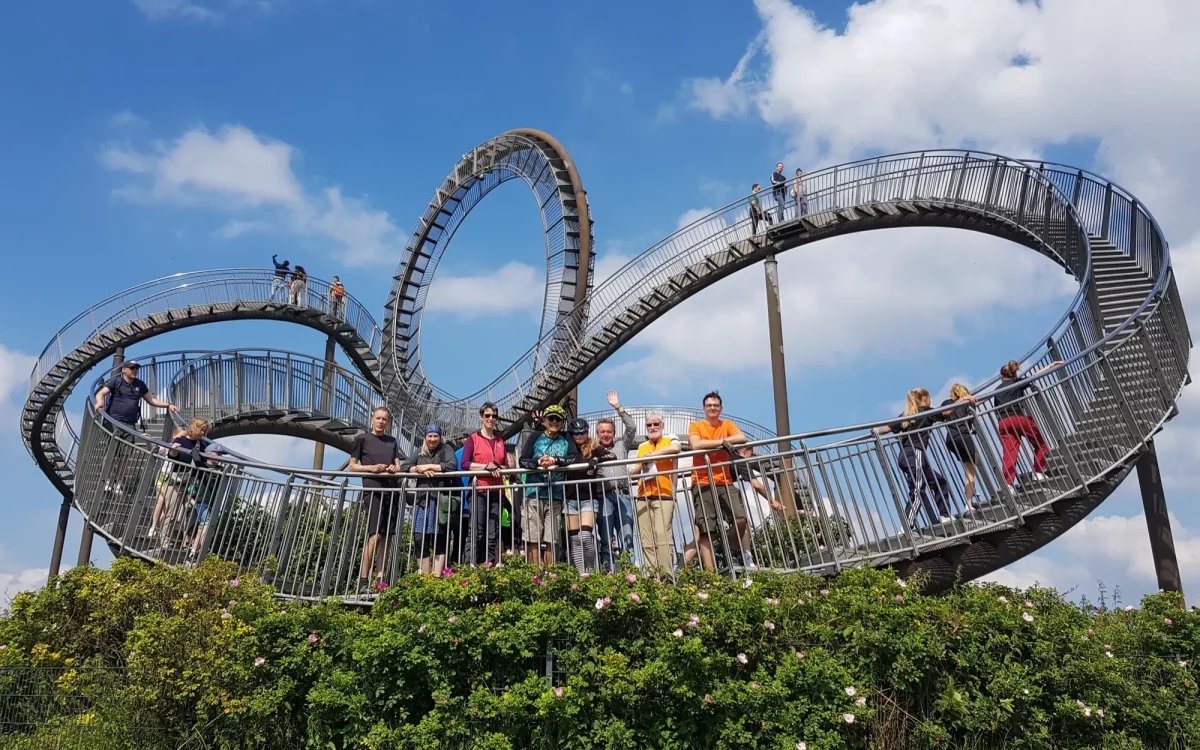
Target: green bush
510,657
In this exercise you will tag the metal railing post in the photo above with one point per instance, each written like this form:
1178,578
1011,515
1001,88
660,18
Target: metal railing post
281,517
330,556
894,486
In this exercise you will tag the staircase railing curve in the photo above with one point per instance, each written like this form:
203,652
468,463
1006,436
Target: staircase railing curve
1010,197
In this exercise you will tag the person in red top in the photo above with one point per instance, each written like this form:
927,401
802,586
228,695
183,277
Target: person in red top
485,451
714,494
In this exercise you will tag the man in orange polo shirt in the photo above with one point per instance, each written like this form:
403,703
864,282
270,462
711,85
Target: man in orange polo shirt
714,494
656,494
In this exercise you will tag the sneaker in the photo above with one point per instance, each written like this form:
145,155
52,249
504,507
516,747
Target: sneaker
1039,476
153,533
946,519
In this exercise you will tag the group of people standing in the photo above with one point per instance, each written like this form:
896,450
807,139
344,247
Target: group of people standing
786,192
915,429
290,285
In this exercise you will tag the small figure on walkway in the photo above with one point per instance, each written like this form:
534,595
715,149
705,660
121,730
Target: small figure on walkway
337,297
279,282
757,212
799,196
779,188
298,289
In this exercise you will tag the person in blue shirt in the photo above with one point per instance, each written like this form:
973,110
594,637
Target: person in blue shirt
279,282
124,394
543,507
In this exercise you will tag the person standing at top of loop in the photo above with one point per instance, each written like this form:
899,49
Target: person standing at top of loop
298,289
779,189
337,297
799,194
715,497
757,212
1015,422
279,282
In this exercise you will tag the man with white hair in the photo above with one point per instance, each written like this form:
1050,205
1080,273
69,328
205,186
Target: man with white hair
656,494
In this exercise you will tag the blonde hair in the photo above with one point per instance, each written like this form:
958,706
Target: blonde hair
959,391
197,426
589,447
917,401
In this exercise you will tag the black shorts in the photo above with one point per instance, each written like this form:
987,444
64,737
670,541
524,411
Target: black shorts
433,543
962,446
383,512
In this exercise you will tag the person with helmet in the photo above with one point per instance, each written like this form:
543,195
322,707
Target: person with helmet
544,496
583,497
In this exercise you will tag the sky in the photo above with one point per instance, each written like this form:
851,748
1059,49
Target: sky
147,137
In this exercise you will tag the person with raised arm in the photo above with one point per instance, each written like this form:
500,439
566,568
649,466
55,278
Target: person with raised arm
484,450
715,497
1015,422
433,501
615,522
279,281
656,494
377,455
543,506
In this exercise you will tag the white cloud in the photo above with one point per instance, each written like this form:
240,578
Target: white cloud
14,583
857,295
15,368
514,287
125,120
235,170
164,10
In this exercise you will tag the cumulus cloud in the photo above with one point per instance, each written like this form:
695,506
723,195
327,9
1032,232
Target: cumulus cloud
15,367
238,171
15,582
166,10
514,287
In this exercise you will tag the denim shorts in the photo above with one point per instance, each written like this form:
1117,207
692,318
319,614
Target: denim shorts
575,506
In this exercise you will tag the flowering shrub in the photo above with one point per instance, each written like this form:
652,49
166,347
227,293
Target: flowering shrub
492,658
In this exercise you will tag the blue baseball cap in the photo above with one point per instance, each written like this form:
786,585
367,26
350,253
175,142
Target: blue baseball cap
433,429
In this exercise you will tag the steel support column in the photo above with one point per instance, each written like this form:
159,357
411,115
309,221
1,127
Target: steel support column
60,534
1154,502
779,379
325,399
86,535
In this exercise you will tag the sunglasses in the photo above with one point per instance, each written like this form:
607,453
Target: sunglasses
654,424
490,416
553,418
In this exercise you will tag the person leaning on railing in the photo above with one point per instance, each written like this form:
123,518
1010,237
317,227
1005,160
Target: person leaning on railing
484,450
656,494
189,485
433,501
715,497
377,454
125,393
914,462
583,499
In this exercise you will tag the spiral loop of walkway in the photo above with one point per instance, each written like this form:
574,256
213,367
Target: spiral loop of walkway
1124,338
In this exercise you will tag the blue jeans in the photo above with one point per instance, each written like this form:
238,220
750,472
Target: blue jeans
615,521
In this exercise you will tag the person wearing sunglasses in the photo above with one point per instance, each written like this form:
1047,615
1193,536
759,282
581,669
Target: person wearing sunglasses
715,497
656,494
543,507
484,450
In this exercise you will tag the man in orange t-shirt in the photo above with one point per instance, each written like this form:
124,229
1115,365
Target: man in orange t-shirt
714,494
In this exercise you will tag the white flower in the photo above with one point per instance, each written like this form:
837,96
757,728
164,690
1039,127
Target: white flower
599,604
851,691
1108,654
1129,608
860,702
702,595
1025,691
747,583
1026,617
848,718
768,625
801,745
1183,665
902,583
225,615
1003,599
742,658
1087,712
678,633
1029,604
1100,712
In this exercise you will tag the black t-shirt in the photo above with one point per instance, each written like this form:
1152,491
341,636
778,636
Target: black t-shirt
1007,404
371,449
183,454
919,430
125,399
959,410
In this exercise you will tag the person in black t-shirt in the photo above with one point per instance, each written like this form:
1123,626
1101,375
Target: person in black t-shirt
127,393
757,212
779,188
1015,422
914,459
376,453
960,435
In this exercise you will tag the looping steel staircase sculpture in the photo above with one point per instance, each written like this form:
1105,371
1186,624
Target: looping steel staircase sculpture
1124,339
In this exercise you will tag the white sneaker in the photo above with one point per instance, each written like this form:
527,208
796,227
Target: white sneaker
1039,476
946,519
153,533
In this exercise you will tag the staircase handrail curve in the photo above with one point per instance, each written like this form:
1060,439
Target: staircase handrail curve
611,310
363,322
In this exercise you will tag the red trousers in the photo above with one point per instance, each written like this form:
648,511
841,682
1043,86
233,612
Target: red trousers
1011,430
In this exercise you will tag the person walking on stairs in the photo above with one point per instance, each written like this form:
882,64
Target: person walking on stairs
960,435
1015,422
914,462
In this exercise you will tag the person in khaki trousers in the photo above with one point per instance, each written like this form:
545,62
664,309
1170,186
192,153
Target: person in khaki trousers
656,494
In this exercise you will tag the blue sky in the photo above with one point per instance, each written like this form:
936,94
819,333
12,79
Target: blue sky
147,137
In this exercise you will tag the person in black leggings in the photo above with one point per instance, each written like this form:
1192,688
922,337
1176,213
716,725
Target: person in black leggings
914,459
960,435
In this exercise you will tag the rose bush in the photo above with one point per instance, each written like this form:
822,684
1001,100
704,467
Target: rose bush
507,657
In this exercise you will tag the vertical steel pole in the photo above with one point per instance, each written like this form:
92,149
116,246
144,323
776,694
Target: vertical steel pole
324,399
86,535
64,516
1158,524
779,379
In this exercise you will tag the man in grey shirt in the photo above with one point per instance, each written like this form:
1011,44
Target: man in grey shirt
616,529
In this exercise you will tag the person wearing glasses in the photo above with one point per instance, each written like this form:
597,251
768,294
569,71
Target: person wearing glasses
484,450
543,506
715,497
124,394
656,494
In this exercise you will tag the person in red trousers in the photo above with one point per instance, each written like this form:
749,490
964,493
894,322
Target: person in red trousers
1015,422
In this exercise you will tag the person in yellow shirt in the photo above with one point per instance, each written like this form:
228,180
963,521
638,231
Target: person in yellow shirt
656,494
714,494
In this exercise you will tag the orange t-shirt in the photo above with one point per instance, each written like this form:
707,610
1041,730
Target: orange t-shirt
705,431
